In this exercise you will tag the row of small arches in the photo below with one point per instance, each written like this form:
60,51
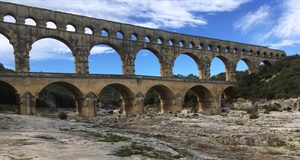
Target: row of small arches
148,39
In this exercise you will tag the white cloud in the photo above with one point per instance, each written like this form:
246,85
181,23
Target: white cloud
284,43
167,13
253,19
6,53
101,50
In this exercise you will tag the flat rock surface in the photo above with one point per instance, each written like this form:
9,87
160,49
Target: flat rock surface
173,136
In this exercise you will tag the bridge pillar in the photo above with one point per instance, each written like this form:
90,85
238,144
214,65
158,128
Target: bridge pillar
22,46
89,109
27,104
231,72
133,106
128,64
169,105
81,59
205,68
212,105
166,67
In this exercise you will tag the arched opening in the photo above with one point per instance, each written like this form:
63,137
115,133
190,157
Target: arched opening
166,99
228,98
147,62
244,66
147,39
119,35
218,48
218,69
109,100
57,97
192,45
8,97
200,46
209,47
171,42
205,101
51,25
266,64
104,59
51,55
9,19
257,53
118,97
88,30
181,43
190,102
70,28
159,41
152,102
30,22
134,37
235,50
186,65
104,33
6,53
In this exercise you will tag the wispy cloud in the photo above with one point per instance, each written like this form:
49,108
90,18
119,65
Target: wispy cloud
253,19
275,28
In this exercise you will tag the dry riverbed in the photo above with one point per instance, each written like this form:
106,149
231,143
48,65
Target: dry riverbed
157,136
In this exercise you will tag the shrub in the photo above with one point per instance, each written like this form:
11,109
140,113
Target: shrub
62,115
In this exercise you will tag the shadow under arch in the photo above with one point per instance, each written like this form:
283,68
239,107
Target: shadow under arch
267,63
9,98
159,57
166,96
194,58
65,91
204,97
127,98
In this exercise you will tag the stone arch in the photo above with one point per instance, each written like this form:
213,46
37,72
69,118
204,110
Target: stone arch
267,63
120,35
9,91
30,21
248,63
226,65
105,32
204,97
166,96
134,37
61,39
9,18
127,98
78,96
158,55
71,27
195,59
89,30
51,24
229,93
94,53
7,53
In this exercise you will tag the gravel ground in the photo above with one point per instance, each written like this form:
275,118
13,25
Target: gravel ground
156,136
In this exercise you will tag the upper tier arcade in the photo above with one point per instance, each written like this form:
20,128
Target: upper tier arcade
127,40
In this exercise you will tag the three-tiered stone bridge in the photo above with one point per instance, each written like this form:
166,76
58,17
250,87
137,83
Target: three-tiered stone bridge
127,40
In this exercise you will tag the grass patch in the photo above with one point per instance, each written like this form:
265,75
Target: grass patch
45,137
140,150
113,138
62,115
185,153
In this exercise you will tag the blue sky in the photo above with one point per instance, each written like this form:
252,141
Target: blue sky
271,23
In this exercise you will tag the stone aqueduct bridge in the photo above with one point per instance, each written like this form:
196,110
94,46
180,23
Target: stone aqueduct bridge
166,46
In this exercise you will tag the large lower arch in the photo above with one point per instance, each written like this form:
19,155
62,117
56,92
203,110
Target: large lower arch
129,104
77,95
167,99
205,98
9,98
